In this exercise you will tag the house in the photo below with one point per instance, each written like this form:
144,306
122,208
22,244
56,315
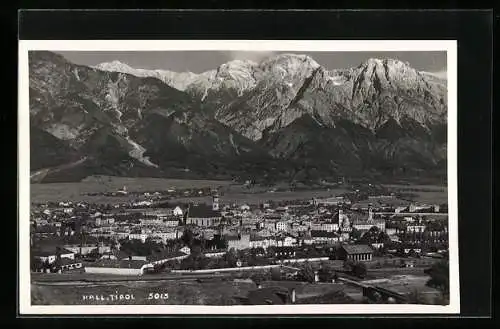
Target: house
239,242
281,226
87,248
329,227
118,267
321,237
66,264
50,256
178,211
415,228
284,252
185,250
151,220
355,252
258,242
138,236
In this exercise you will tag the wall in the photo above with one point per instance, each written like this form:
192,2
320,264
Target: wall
250,268
109,270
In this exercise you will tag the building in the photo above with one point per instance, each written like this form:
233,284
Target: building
284,252
85,249
281,226
355,252
239,242
171,222
185,250
178,211
329,227
203,215
322,237
415,228
69,264
138,236
50,256
343,221
151,220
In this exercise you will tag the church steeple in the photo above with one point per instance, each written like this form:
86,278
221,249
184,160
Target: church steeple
215,202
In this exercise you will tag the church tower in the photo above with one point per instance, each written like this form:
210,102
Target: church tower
215,202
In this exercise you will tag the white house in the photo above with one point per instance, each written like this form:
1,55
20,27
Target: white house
51,256
178,211
281,226
138,236
329,227
185,250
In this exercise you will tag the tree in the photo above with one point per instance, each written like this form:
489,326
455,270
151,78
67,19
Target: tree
276,274
357,269
188,237
325,273
355,234
371,236
439,277
307,273
231,258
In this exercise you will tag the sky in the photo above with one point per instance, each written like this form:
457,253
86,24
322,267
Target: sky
201,61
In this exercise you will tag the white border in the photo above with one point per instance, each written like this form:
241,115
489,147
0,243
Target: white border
450,46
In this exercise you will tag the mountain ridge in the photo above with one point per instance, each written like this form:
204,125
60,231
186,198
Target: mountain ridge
285,111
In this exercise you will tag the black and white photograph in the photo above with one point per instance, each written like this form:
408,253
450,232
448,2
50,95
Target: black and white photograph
238,177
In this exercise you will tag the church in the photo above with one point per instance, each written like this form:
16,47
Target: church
203,215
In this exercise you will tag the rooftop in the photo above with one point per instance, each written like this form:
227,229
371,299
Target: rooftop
323,234
357,249
202,211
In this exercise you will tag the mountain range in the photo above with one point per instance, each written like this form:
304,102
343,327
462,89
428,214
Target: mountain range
285,118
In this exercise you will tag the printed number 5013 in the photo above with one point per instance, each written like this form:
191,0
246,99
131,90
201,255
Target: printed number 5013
158,295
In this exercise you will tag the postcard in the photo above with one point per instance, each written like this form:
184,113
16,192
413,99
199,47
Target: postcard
238,177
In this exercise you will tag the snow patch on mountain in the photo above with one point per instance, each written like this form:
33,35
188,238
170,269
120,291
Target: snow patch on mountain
137,152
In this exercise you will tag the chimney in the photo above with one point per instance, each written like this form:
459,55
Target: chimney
293,296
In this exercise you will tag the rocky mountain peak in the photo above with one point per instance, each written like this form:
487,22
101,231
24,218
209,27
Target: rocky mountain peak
289,63
114,66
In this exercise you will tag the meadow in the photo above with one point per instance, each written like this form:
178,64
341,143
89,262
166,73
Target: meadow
75,191
230,192
179,292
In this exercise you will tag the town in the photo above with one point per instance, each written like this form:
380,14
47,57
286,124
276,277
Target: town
330,239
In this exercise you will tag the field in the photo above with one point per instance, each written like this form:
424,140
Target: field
424,193
179,292
75,190
231,192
